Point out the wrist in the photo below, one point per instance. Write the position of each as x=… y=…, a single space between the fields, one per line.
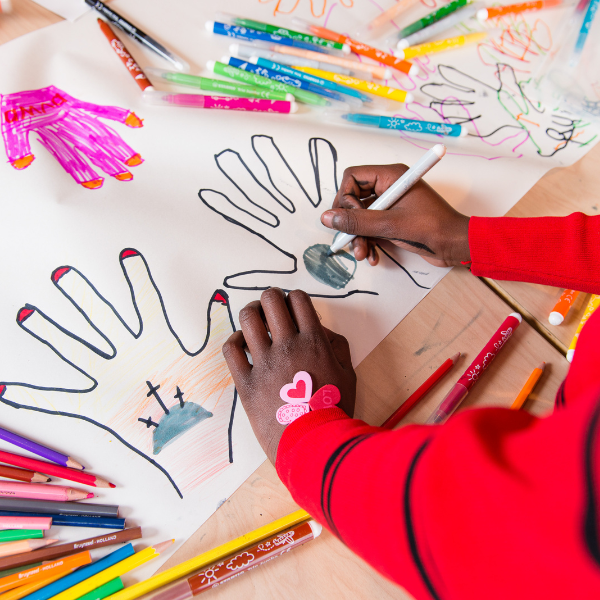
x=455 y=248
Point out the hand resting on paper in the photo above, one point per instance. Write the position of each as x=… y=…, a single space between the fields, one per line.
x=298 y=342
x=421 y=221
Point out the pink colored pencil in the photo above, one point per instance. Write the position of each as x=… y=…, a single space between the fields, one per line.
x=40 y=491
x=43 y=523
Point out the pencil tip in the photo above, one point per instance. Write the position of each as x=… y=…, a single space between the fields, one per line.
x=73 y=464
x=542 y=366
x=163 y=545
x=90 y=495
x=455 y=358
x=112 y=485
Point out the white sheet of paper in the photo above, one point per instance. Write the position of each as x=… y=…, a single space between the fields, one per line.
x=191 y=251
x=67 y=9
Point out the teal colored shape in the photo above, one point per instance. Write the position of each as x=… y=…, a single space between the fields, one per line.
x=176 y=423
x=335 y=271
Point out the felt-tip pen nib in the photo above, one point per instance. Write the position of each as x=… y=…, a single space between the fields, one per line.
x=330 y=253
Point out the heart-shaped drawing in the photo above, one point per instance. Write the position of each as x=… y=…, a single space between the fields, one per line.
x=290 y=412
x=299 y=391
x=326 y=397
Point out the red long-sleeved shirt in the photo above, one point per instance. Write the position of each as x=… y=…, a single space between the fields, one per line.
x=494 y=503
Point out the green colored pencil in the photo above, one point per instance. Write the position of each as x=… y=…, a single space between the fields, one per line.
x=433 y=17
x=19 y=569
x=246 y=77
x=112 y=587
x=13 y=535
x=287 y=33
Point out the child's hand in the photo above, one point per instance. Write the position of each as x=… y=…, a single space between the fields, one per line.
x=298 y=342
x=421 y=221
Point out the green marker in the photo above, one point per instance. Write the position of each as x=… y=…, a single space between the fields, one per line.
x=19 y=569
x=217 y=85
x=283 y=32
x=258 y=80
x=433 y=17
x=12 y=535
x=112 y=587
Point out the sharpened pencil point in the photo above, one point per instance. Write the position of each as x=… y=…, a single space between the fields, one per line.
x=455 y=358
x=112 y=485
x=163 y=546
x=542 y=366
x=90 y=495
x=73 y=464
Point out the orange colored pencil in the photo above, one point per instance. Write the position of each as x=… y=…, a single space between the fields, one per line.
x=397 y=416
x=34 y=586
x=20 y=547
x=44 y=571
x=528 y=387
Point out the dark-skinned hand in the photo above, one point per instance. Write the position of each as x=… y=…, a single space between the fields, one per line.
x=421 y=221
x=298 y=342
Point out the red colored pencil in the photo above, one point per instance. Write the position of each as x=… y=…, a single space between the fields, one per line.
x=420 y=392
x=56 y=470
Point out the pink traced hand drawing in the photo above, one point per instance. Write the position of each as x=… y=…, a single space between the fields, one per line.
x=172 y=406
x=70 y=130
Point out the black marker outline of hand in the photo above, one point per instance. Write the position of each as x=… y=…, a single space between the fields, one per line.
x=285 y=202
x=219 y=296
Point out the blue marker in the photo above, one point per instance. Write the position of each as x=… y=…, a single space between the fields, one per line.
x=82 y=574
x=251 y=35
x=588 y=19
x=329 y=85
x=406 y=124
x=293 y=81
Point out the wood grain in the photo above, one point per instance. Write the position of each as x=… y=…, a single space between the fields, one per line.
x=26 y=16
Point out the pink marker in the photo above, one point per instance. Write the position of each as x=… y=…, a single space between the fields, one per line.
x=41 y=491
x=223 y=102
x=43 y=523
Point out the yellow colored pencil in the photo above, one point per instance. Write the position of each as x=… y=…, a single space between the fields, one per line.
x=34 y=586
x=441 y=45
x=359 y=84
x=593 y=304
x=138 y=559
x=528 y=387
x=206 y=558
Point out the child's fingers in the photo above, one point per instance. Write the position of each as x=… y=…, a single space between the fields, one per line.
x=254 y=330
x=366 y=223
x=340 y=347
x=303 y=311
x=235 y=356
x=277 y=314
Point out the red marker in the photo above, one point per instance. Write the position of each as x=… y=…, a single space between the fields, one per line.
x=420 y=393
x=461 y=388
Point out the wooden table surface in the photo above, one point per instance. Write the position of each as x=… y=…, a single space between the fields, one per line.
x=458 y=315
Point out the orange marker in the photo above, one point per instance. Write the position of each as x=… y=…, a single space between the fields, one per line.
x=559 y=312
x=528 y=387
x=510 y=9
x=360 y=48
x=117 y=45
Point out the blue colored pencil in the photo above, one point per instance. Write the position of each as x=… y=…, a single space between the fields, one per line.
x=82 y=574
x=72 y=520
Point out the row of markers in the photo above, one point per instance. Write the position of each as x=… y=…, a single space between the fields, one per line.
x=273 y=69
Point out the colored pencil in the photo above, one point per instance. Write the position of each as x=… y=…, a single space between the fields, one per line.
x=442 y=45
x=244 y=560
x=39 y=491
x=48 y=570
x=8 y=572
x=420 y=392
x=12 y=548
x=35 y=448
x=562 y=307
x=124 y=566
x=494 y=12
x=59 y=508
x=433 y=17
x=130 y=64
x=370 y=87
x=20 y=522
x=207 y=558
x=112 y=587
x=593 y=304
x=12 y=535
x=72 y=520
x=364 y=49
x=57 y=471
x=528 y=387
x=29 y=588
x=100 y=541
x=482 y=361
x=75 y=578
x=389 y=15
x=23 y=475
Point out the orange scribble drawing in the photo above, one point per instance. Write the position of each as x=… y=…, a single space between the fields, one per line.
x=317 y=7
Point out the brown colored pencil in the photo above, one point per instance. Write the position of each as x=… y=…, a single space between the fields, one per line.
x=109 y=539
x=23 y=475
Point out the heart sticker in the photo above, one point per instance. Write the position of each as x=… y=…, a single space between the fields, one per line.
x=290 y=412
x=326 y=397
x=299 y=391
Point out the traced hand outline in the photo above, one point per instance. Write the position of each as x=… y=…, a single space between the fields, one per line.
x=71 y=131
x=267 y=212
x=146 y=388
x=463 y=99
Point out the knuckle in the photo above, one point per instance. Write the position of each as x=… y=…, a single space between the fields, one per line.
x=349 y=222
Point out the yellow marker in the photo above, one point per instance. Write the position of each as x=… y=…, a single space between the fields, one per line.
x=359 y=84
x=591 y=307
x=441 y=45
x=138 y=559
x=528 y=387
x=202 y=560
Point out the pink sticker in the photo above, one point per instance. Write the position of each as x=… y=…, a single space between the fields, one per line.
x=326 y=397
x=299 y=391
x=290 y=412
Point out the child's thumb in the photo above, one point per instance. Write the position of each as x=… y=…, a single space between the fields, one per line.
x=367 y=223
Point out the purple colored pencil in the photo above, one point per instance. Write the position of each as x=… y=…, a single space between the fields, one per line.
x=52 y=455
